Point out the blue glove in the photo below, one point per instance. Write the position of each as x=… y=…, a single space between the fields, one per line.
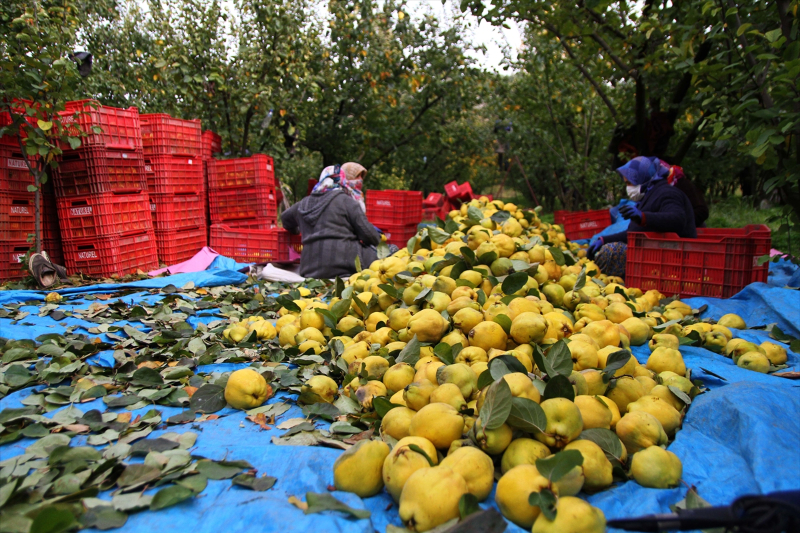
x=631 y=212
x=594 y=248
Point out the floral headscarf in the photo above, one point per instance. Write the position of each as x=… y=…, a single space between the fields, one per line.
x=334 y=177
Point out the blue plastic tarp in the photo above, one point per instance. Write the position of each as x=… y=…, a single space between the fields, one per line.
x=206 y=278
x=739 y=438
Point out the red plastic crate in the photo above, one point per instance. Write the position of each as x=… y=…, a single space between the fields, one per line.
x=166 y=135
x=12 y=141
x=434 y=199
x=14 y=174
x=100 y=215
x=254 y=171
x=121 y=129
x=290 y=246
x=582 y=224
x=394 y=207
x=717 y=264
x=247 y=245
x=97 y=170
x=54 y=250
x=760 y=237
x=451 y=190
x=252 y=223
x=114 y=254
x=18 y=215
x=172 y=212
x=212 y=144
x=399 y=234
x=174 y=175
x=233 y=204
x=177 y=246
x=11 y=253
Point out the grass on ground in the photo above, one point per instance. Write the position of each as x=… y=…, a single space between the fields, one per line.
x=736 y=212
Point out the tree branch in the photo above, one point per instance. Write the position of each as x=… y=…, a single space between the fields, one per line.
x=600 y=20
x=766 y=99
x=687 y=142
x=614 y=57
x=686 y=81
x=582 y=70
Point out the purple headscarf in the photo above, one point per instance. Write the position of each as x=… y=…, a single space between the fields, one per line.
x=644 y=171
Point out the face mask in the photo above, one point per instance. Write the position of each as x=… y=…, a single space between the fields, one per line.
x=634 y=192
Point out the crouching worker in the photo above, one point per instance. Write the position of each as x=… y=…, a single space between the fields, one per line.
x=659 y=208
x=334 y=226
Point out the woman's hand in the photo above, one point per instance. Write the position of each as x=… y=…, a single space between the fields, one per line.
x=631 y=212
x=594 y=248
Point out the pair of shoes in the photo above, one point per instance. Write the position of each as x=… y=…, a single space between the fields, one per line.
x=44 y=271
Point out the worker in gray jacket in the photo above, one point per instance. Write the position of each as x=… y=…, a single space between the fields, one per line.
x=334 y=226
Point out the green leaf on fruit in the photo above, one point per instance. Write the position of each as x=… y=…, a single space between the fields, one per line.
x=496 y=405
x=559 y=465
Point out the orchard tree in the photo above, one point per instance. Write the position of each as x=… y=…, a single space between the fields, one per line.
x=718 y=72
x=37 y=76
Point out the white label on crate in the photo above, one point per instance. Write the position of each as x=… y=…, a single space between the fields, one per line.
x=20 y=210
x=755 y=261
x=590 y=224
x=270 y=196
x=124 y=156
x=147 y=168
x=87 y=255
x=385 y=203
x=152 y=207
x=269 y=167
x=80 y=211
x=189 y=162
x=17 y=257
x=17 y=163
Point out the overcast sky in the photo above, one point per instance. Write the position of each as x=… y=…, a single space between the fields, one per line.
x=492 y=37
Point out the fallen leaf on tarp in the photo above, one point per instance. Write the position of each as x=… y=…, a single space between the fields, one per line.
x=260 y=419
x=125 y=418
x=206 y=418
x=252 y=482
x=201 y=291
x=322 y=501
x=77 y=428
x=303 y=506
x=190 y=390
x=292 y=422
x=149 y=364
x=360 y=436
x=787 y=375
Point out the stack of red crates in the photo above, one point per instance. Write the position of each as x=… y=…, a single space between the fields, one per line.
x=212 y=145
x=174 y=169
x=18 y=210
x=396 y=213
x=101 y=194
x=243 y=208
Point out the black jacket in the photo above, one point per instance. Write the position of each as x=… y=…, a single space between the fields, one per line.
x=665 y=209
x=335 y=230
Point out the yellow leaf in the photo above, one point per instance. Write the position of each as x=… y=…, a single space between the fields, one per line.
x=282 y=112
x=44 y=125
x=400 y=15
x=297 y=503
x=761 y=159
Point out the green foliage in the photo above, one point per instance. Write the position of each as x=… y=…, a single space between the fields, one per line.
x=671 y=76
x=37 y=76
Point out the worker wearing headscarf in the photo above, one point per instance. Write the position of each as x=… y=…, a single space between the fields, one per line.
x=335 y=229
x=657 y=207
